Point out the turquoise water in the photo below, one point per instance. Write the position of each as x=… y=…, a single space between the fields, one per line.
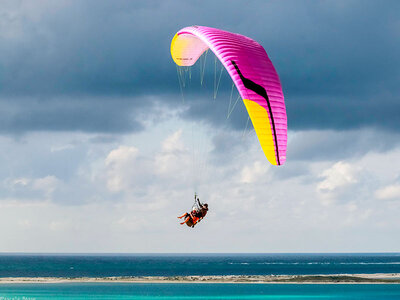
x=197 y=291
x=45 y=265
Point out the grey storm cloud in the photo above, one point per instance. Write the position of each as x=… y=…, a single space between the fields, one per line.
x=69 y=113
x=89 y=65
x=339 y=145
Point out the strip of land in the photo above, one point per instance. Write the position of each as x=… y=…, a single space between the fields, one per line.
x=325 y=279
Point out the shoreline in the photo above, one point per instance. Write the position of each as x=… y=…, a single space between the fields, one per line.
x=391 y=278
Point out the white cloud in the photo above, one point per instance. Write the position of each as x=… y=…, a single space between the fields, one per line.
x=131 y=171
x=128 y=198
x=121 y=164
x=122 y=155
x=18 y=182
x=173 y=155
x=27 y=187
x=254 y=172
x=173 y=143
x=340 y=174
x=389 y=192
x=46 y=184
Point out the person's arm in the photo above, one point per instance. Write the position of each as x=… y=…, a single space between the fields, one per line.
x=198 y=202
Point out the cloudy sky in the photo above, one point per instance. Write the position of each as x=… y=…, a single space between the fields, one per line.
x=100 y=152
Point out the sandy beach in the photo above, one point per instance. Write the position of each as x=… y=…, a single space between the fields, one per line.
x=336 y=278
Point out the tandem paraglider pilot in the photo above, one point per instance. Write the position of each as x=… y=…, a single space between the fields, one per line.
x=198 y=212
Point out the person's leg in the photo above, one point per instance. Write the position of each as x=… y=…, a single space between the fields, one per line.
x=184 y=215
x=187 y=219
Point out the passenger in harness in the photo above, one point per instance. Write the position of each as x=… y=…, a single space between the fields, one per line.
x=198 y=212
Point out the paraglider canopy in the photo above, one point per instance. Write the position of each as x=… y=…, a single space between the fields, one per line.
x=253 y=74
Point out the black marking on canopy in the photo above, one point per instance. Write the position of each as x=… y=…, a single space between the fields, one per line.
x=258 y=89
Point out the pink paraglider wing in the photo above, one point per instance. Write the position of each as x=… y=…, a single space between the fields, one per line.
x=253 y=74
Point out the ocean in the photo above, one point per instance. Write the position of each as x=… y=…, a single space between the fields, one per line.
x=51 y=265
